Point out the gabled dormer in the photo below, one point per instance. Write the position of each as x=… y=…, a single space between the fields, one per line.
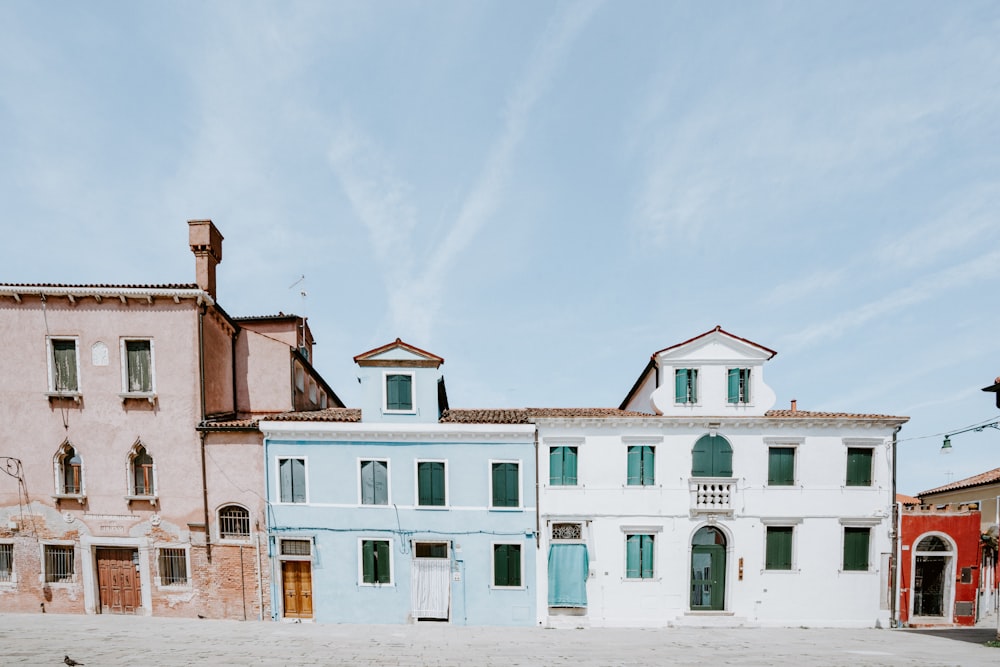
x=714 y=374
x=401 y=383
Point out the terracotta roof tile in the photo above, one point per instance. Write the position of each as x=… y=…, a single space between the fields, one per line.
x=990 y=477
x=809 y=414
x=489 y=416
x=907 y=500
x=327 y=415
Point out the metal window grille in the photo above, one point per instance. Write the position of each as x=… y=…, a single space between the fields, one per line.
x=567 y=531
x=234 y=522
x=6 y=562
x=295 y=548
x=58 y=563
x=173 y=567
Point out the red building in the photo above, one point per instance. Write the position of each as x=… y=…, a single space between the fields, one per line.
x=940 y=557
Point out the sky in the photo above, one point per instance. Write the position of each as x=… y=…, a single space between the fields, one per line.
x=543 y=193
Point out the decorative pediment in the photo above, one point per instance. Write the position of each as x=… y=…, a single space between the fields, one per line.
x=716 y=345
x=399 y=354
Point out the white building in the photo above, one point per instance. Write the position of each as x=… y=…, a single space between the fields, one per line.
x=697 y=503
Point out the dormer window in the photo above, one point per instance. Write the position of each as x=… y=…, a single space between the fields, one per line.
x=399 y=392
x=686 y=384
x=739 y=386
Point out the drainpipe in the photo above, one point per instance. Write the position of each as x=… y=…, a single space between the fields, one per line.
x=204 y=475
x=538 y=518
x=896 y=526
x=260 y=573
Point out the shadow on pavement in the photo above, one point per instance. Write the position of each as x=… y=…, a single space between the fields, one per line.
x=971 y=635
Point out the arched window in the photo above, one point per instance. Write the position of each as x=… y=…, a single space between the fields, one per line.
x=712 y=456
x=933 y=543
x=70 y=471
x=234 y=522
x=142 y=472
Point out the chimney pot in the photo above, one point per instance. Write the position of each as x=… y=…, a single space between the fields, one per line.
x=794 y=405
x=206 y=244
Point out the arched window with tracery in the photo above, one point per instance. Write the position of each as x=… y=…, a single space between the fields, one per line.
x=69 y=471
x=141 y=472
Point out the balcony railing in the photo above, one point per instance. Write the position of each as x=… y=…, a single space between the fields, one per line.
x=713 y=495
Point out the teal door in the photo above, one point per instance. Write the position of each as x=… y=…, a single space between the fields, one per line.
x=708 y=570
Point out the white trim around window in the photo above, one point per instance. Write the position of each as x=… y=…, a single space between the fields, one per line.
x=130 y=392
x=54 y=392
x=187 y=584
x=416 y=485
x=277 y=481
x=493 y=563
x=520 y=486
x=388 y=481
x=361 y=562
x=385 y=392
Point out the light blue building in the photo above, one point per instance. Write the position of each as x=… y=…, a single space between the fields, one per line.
x=391 y=514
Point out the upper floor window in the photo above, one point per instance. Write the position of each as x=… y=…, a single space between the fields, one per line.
x=142 y=473
x=64 y=365
x=505 y=484
x=431 y=484
x=562 y=466
x=859 y=466
x=781 y=466
x=234 y=522
x=70 y=471
x=712 y=456
x=137 y=366
x=738 y=383
x=375 y=482
x=641 y=464
x=292 y=480
x=686 y=385
x=399 y=392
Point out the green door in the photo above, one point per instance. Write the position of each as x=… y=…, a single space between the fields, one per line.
x=708 y=570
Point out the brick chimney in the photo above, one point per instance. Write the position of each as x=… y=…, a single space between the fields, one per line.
x=206 y=244
x=795 y=405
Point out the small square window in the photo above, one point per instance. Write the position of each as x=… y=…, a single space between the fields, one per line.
x=505 y=484
x=779 y=548
x=374 y=482
x=399 y=392
x=507 y=566
x=59 y=563
x=292 y=480
x=173 y=567
x=376 y=565
x=639 y=558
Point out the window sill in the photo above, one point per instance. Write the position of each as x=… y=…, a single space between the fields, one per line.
x=506 y=509
x=508 y=588
x=777 y=571
x=399 y=412
x=74 y=396
x=843 y=571
x=654 y=485
x=138 y=396
x=149 y=499
x=63 y=583
x=646 y=580
x=432 y=507
x=78 y=497
x=365 y=585
x=234 y=539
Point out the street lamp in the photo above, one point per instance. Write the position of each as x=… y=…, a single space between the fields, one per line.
x=946 y=445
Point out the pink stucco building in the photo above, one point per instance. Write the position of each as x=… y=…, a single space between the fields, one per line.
x=129 y=442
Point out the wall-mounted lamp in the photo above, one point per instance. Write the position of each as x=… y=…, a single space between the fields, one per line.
x=946 y=445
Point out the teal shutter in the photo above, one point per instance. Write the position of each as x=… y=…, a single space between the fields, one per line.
x=633 y=557
x=555 y=466
x=648 y=465
x=368 y=561
x=856 y=548
x=398 y=392
x=701 y=458
x=712 y=456
x=733 y=381
x=646 y=547
x=781 y=466
x=680 y=385
x=382 y=561
x=430 y=483
x=569 y=466
x=779 y=548
x=634 y=466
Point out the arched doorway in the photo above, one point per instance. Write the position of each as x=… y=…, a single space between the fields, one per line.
x=708 y=570
x=932 y=567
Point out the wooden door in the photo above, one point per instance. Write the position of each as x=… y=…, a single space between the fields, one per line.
x=118 y=581
x=296 y=585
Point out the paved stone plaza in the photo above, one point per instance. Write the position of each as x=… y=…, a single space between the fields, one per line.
x=98 y=641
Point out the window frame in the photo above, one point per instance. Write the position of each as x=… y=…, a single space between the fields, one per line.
x=180 y=550
x=390 y=551
x=772 y=448
x=60 y=461
x=132 y=492
x=361 y=486
x=518 y=505
x=744 y=395
x=522 y=584
x=412 y=410
x=54 y=390
x=11 y=570
x=64 y=547
x=305 y=480
x=640 y=533
x=783 y=528
x=561 y=479
x=232 y=537
x=127 y=391
x=416 y=484
x=690 y=385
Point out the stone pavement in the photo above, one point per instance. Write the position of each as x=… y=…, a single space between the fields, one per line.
x=98 y=641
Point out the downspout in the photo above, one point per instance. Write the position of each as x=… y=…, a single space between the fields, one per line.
x=204 y=475
x=236 y=404
x=896 y=526
x=260 y=571
x=538 y=516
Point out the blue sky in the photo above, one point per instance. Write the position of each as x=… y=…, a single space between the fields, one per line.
x=542 y=193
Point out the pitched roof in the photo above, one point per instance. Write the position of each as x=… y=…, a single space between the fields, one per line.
x=989 y=477
x=427 y=358
x=326 y=415
x=718 y=329
x=907 y=500
x=809 y=414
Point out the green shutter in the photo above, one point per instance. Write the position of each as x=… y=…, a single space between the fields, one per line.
x=680 y=385
x=382 y=561
x=555 y=466
x=856 y=548
x=398 y=392
x=646 y=546
x=506 y=565
x=733 y=381
x=368 y=561
x=634 y=466
x=632 y=557
x=648 y=465
x=779 y=548
x=712 y=456
x=859 y=467
x=781 y=466
x=430 y=483
x=569 y=466
x=505 y=492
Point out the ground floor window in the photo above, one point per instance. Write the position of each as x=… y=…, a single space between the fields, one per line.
x=173 y=567
x=6 y=562
x=779 y=548
x=507 y=565
x=375 y=562
x=59 y=565
x=639 y=557
x=856 y=541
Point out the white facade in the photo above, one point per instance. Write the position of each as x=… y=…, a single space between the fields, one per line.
x=710 y=510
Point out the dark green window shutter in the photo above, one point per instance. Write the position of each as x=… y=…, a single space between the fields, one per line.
x=712 y=456
x=779 y=548
x=375 y=561
x=781 y=466
x=505 y=491
x=859 y=466
x=398 y=392
x=680 y=385
x=64 y=365
x=733 y=382
x=856 y=548
x=507 y=565
x=430 y=482
x=382 y=561
x=368 y=561
x=634 y=466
